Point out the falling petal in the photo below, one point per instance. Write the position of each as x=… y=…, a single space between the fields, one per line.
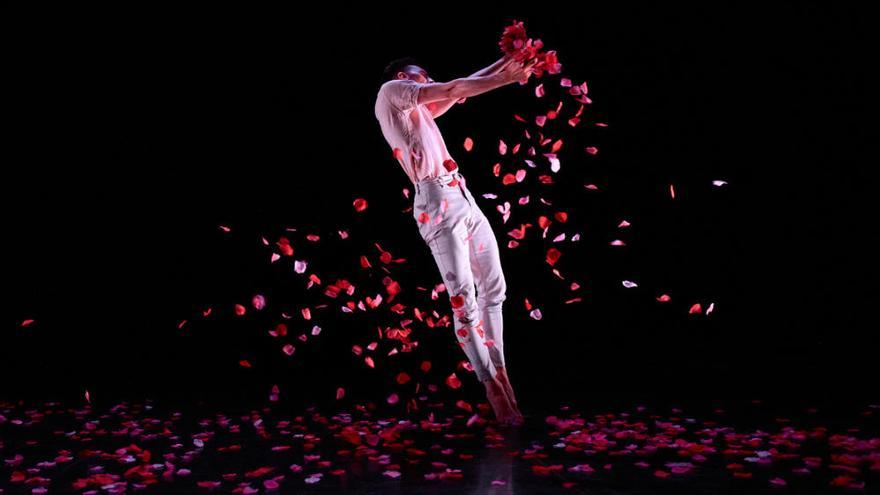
x=553 y=256
x=453 y=382
x=284 y=246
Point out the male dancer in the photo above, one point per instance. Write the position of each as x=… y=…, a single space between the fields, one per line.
x=450 y=222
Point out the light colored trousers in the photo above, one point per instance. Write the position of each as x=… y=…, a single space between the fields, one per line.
x=466 y=252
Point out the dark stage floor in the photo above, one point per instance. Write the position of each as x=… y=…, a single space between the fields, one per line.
x=147 y=447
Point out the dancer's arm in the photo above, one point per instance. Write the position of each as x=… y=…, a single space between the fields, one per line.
x=465 y=87
x=494 y=68
x=438 y=108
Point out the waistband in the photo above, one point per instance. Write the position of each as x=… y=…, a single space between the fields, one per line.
x=441 y=181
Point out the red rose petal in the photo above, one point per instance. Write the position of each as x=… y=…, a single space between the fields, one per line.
x=360 y=204
x=453 y=382
x=553 y=255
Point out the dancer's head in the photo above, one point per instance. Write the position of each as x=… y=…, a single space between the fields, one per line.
x=406 y=68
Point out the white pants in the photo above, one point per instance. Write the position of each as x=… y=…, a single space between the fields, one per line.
x=466 y=252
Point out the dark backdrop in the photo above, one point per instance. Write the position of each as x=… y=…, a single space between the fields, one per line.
x=131 y=135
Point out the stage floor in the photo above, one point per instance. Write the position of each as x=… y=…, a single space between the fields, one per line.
x=149 y=447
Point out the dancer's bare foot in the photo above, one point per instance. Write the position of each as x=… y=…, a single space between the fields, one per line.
x=505 y=382
x=504 y=411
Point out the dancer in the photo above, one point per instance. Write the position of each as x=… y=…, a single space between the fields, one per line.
x=449 y=220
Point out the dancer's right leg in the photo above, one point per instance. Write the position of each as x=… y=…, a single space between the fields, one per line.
x=446 y=232
x=491 y=292
x=450 y=251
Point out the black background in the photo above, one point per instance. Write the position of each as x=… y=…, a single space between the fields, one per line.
x=131 y=135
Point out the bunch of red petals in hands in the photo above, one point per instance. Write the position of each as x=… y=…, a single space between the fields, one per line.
x=516 y=43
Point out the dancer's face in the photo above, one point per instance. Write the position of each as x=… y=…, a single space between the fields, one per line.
x=415 y=73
